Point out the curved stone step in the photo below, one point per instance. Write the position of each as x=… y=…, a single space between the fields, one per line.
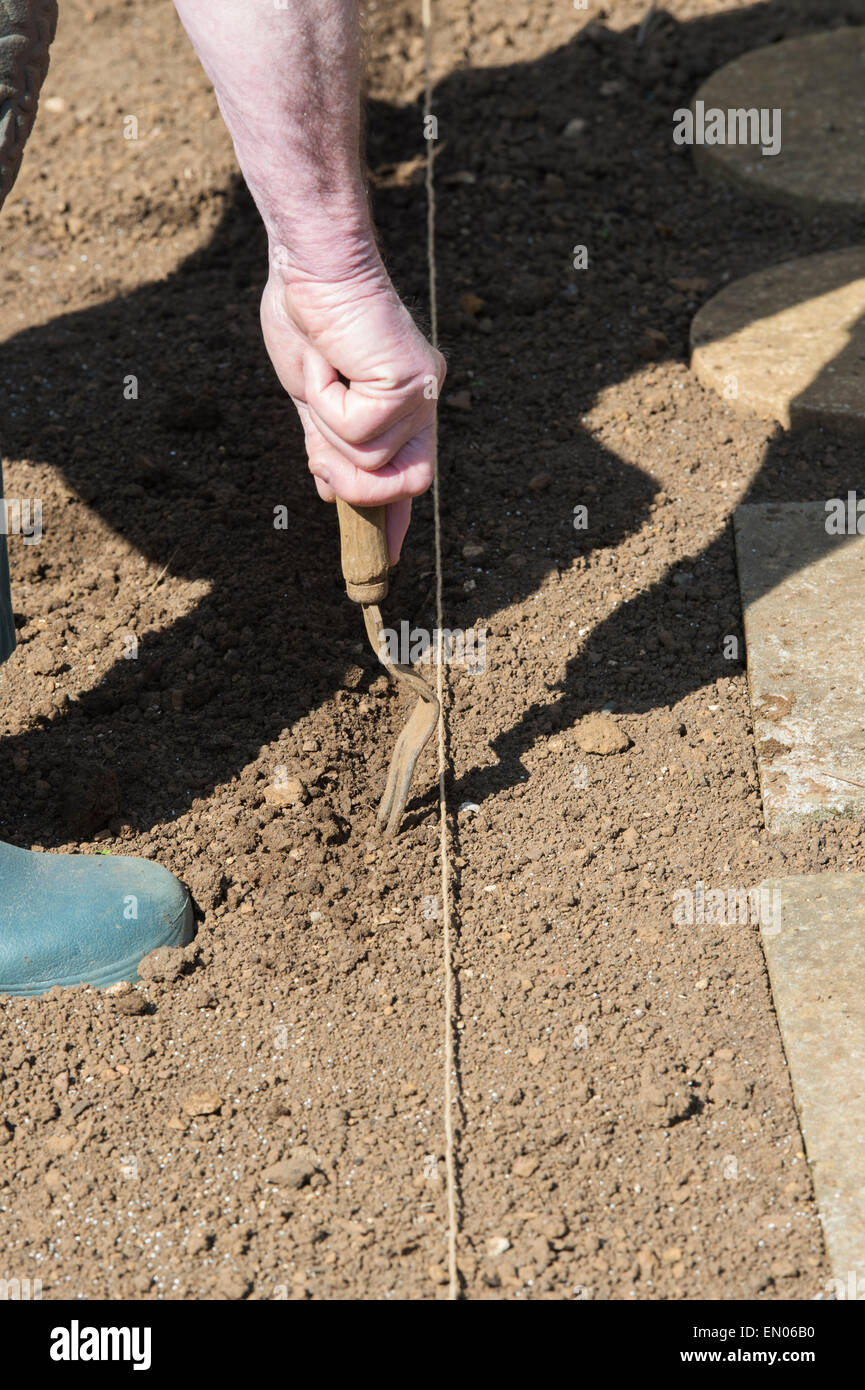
x=818 y=84
x=788 y=343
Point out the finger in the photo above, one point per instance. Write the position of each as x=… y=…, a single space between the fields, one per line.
x=372 y=455
x=407 y=475
x=318 y=453
x=326 y=493
x=398 y=518
x=368 y=422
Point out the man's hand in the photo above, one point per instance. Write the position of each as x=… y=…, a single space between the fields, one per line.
x=365 y=382
x=345 y=348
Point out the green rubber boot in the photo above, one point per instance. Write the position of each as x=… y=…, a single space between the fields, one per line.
x=69 y=919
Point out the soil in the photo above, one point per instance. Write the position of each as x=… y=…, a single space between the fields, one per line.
x=262 y=1117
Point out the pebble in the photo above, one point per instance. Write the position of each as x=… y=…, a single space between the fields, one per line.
x=470 y=808
x=525 y=1166
x=131 y=1005
x=473 y=551
x=202 y=1103
x=294 y=1171
x=460 y=400
x=497 y=1245
x=117 y=990
x=292 y=792
x=540 y=482
x=471 y=304
x=575 y=128
x=600 y=734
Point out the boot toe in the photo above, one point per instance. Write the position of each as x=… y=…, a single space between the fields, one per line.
x=84 y=918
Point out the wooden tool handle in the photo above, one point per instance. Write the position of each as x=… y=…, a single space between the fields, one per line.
x=363 y=541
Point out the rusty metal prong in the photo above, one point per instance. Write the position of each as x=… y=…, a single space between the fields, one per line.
x=409 y=746
x=414 y=736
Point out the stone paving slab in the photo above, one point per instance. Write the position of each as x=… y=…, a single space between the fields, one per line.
x=817 y=83
x=815 y=951
x=788 y=343
x=802 y=595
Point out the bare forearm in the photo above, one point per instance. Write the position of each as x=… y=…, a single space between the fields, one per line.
x=287 y=82
x=364 y=380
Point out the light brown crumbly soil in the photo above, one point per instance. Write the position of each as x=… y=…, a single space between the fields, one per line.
x=625 y=1127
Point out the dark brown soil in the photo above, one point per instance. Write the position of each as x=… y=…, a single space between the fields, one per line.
x=626 y=1127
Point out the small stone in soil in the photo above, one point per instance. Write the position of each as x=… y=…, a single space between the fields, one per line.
x=600 y=734
x=525 y=1166
x=294 y=1171
x=540 y=482
x=289 y=793
x=497 y=1245
x=471 y=304
x=118 y=989
x=202 y=1103
x=131 y=1005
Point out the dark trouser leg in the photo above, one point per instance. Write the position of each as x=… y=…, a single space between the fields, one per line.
x=7 y=626
x=26 y=30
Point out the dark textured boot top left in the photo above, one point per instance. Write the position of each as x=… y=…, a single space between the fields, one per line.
x=26 y=30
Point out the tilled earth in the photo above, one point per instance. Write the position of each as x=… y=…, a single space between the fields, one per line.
x=262 y=1118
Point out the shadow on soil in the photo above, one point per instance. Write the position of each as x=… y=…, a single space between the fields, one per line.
x=191 y=472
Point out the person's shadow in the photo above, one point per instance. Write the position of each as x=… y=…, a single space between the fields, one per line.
x=190 y=473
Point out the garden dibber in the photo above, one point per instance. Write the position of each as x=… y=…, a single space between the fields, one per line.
x=364 y=556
